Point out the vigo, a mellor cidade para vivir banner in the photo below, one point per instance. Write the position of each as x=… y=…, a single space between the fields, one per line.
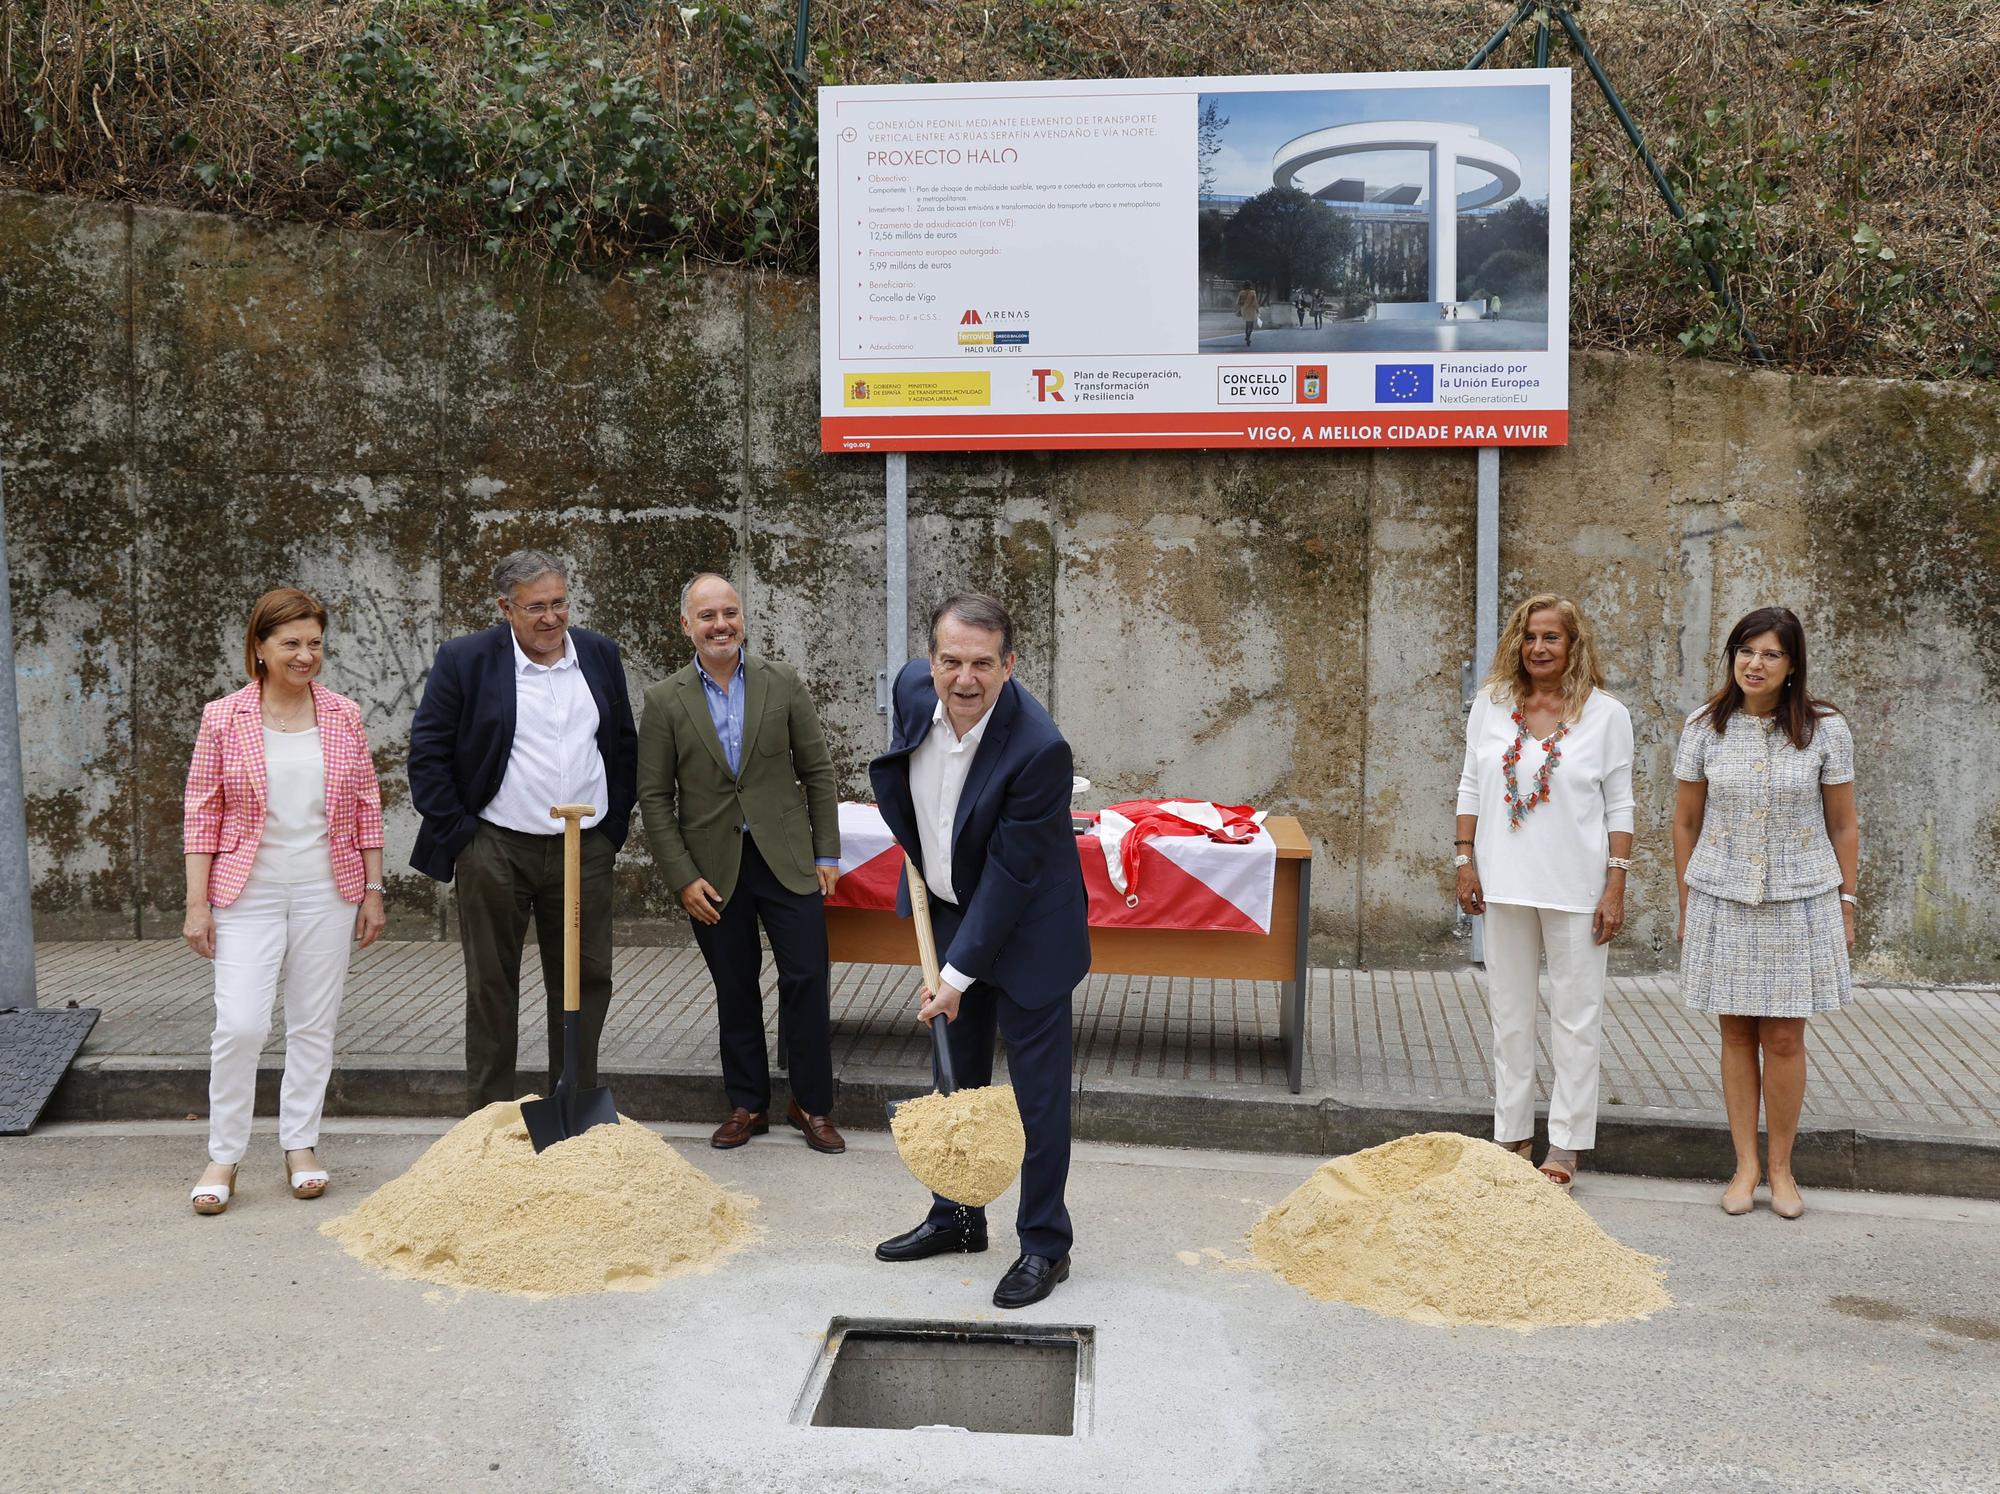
x=1372 y=259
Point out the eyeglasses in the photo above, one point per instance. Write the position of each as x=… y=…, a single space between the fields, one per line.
x=540 y=610
x=1758 y=656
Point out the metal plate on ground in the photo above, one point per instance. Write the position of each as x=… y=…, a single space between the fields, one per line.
x=35 y=1052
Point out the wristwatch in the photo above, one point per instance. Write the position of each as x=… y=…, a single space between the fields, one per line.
x=1461 y=859
x=373 y=887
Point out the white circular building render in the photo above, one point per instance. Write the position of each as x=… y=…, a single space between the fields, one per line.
x=1446 y=148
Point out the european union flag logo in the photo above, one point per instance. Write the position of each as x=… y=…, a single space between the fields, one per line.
x=1404 y=383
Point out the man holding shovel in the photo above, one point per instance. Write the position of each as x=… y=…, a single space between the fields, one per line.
x=528 y=714
x=976 y=789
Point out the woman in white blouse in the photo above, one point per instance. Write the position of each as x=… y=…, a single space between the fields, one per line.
x=1544 y=841
x=1767 y=845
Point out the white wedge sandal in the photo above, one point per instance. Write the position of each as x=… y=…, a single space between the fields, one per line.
x=308 y=1184
x=212 y=1198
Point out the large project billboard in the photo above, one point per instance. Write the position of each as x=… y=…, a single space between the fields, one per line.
x=1374 y=259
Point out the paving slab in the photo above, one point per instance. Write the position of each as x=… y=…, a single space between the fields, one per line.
x=1905 y=1089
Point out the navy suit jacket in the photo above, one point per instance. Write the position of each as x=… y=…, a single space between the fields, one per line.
x=1023 y=921
x=464 y=734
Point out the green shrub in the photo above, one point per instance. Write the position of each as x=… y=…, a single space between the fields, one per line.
x=547 y=143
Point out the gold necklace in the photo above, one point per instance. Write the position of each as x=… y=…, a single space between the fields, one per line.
x=290 y=722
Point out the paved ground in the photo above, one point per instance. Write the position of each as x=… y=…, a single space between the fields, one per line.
x=143 y=1348
x=1922 y=1059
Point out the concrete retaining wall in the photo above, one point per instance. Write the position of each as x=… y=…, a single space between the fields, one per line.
x=194 y=408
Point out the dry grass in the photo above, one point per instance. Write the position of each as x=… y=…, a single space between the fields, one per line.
x=1799 y=123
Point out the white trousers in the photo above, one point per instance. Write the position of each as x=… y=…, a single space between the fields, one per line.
x=1517 y=937
x=299 y=931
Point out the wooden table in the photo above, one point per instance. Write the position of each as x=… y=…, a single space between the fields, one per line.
x=870 y=936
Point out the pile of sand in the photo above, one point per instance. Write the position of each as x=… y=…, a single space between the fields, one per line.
x=1441 y=1228
x=966 y=1146
x=615 y=1209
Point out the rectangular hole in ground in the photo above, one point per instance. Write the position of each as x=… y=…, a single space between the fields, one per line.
x=890 y=1374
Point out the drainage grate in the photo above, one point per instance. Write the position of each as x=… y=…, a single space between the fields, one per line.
x=1033 y=1379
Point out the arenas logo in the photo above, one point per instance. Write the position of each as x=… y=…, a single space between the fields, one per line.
x=990 y=337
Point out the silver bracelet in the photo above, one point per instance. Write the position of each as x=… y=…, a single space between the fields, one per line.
x=1623 y=863
x=1850 y=899
x=373 y=887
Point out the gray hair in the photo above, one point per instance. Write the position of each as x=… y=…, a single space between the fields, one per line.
x=700 y=576
x=522 y=567
x=976 y=609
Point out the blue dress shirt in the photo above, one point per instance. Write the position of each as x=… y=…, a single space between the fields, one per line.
x=725 y=710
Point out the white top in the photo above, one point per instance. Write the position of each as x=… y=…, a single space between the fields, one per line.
x=1555 y=858
x=937 y=779
x=293 y=846
x=555 y=758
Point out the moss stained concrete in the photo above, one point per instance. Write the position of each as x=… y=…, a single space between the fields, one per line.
x=194 y=409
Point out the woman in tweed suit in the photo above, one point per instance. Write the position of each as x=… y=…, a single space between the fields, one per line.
x=282 y=825
x=1766 y=844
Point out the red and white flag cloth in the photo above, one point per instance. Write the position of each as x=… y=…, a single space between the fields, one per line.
x=1185 y=879
x=871 y=863
x=1184 y=836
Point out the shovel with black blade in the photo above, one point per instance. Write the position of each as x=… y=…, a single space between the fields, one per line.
x=570 y=1111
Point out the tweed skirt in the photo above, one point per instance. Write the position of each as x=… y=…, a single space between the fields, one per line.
x=1786 y=959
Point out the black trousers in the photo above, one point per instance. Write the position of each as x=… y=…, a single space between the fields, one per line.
x=796 y=926
x=1039 y=1052
x=506 y=878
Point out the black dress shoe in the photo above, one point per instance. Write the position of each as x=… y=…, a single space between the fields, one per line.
x=1030 y=1279
x=966 y=1235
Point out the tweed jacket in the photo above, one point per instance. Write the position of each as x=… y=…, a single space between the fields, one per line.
x=691 y=804
x=1763 y=831
x=222 y=811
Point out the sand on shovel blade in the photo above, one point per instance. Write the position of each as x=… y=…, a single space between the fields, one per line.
x=614 y=1209
x=1442 y=1228
x=966 y=1146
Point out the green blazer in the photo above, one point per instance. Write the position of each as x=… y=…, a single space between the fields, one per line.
x=691 y=804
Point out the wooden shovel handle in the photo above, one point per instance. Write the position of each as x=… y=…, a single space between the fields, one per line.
x=572 y=816
x=920 y=916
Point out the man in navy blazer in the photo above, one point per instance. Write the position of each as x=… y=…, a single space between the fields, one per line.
x=514 y=720
x=976 y=789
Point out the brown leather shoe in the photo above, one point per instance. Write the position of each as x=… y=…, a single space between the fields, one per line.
x=818 y=1130
x=739 y=1128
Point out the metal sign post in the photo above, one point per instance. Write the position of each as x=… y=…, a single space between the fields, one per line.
x=17 y=927
x=1485 y=606
x=896 y=569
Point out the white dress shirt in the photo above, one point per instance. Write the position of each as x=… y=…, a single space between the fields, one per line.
x=555 y=758
x=937 y=779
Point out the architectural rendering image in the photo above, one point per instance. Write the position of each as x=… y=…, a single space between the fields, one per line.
x=1374 y=220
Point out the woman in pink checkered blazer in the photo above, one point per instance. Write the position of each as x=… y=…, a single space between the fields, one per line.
x=282 y=824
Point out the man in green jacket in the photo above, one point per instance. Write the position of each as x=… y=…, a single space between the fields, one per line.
x=724 y=748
